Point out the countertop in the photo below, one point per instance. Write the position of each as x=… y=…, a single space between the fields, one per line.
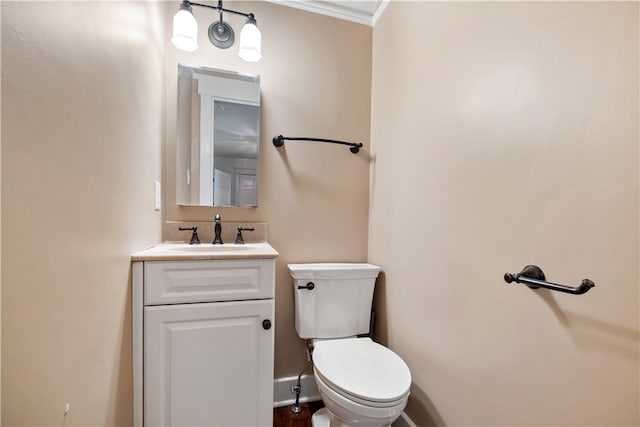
x=180 y=251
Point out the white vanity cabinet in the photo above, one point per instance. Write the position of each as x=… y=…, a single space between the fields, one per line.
x=203 y=341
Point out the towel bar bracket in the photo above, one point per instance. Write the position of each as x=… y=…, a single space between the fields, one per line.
x=531 y=272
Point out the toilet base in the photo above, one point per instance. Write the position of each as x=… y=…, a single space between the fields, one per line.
x=321 y=418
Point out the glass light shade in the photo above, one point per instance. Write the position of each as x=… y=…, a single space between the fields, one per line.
x=250 y=43
x=185 y=30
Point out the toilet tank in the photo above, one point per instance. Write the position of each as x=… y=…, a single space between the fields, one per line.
x=339 y=305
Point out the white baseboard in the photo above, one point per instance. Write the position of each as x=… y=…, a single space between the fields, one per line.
x=282 y=395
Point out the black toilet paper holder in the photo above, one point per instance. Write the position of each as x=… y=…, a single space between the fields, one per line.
x=534 y=277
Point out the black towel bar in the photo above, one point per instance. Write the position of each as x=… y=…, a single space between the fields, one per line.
x=278 y=141
x=533 y=277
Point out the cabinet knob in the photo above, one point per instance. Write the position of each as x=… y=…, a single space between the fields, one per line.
x=266 y=324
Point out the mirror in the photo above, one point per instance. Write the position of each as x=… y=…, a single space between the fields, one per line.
x=218 y=138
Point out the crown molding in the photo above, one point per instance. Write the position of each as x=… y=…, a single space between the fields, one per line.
x=366 y=13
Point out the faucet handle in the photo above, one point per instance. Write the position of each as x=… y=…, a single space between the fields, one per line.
x=194 y=237
x=239 y=239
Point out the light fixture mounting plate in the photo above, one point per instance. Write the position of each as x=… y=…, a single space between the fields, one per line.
x=221 y=35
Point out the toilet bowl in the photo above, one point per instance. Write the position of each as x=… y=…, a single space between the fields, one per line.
x=361 y=383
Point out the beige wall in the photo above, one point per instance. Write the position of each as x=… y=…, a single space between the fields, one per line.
x=506 y=134
x=82 y=116
x=83 y=107
x=315 y=81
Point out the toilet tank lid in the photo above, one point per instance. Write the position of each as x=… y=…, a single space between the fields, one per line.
x=333 y=270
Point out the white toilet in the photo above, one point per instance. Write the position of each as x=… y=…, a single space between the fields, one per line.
x=362 y=383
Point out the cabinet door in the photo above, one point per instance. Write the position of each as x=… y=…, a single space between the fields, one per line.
x=208 y=364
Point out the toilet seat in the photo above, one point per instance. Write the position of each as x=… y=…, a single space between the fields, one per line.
x=362 y=371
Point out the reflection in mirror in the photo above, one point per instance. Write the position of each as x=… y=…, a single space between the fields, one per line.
x=218 y=138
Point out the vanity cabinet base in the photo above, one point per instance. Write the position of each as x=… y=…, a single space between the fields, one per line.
x=203 y=363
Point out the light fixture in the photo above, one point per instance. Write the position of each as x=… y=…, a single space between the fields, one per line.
x=250 y=41
x=185 y=29
x=221 y=35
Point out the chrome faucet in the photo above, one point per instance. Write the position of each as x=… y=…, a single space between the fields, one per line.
x=218 y=229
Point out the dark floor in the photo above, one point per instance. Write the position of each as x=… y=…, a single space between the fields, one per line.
x=284 y=417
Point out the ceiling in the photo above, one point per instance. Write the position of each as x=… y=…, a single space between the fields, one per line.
x=361 y=11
